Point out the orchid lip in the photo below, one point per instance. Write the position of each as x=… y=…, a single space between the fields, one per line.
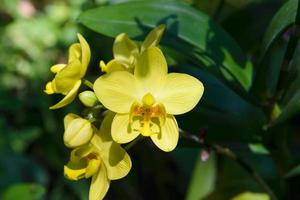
x=150 y=114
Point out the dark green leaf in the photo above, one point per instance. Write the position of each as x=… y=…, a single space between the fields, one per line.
x=189 y=31
x=293 y=77
x=280 y=22
x=221 y=111
x=294 y=172
x=249 y=34
x=273 y=51
x=291 y=101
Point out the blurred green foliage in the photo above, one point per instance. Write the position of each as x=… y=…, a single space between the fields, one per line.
x=240 y=79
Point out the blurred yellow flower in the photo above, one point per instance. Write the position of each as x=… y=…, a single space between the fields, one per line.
x=126 y=51
x=146 y=100
x=102 y=159
x=68 y=77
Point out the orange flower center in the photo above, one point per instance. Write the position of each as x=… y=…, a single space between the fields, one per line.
x=150 y=115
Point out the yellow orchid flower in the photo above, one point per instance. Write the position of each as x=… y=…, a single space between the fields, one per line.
x=146 y=100
x=102 y=159
x=68 y=77
x=126 y=51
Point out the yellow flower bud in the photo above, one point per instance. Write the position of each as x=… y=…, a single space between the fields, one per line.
x=78 y=132
x=88 y=98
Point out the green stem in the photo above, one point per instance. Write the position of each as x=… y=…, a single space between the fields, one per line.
x=92 y=120
x=231 y=155
x=88 y=83
x=279 y=149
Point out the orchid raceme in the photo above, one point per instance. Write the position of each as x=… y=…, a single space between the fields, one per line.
x=102 y=159
x=126 y=51
x=146 y=100
x=68 y=77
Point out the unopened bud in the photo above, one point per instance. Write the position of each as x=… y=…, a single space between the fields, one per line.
x=205 y=153
x=88 y=98
x=275 y=112
x=78 y=132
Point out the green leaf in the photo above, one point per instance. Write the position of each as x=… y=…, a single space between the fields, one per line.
x=225 y=115
x=252 y=196
x=233 y=179
x=293 y=77
x=24 y=191
x=293 y=172
x=189 y=31
x=248 y=35
x=272 y=51
x=258 y=148
x=203 y=178
x=284 y=18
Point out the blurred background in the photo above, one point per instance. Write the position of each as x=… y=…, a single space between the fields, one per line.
x=34 y=35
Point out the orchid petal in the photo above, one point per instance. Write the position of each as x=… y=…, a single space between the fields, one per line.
x=76 y=167
x=69 y=97
x=180 y=93
x=92 y=167
x=57 y=68
x=116 y=91
x=167 y=139
x=125 y=50
x=112 y=66
x=122 y=131
x=85 y=54
x=66 y=78
x=153 y=38
x=151 y=69
x=99 y=184
x=74 y=52
x=49 y=88
x=74 y=173
x=115 y=158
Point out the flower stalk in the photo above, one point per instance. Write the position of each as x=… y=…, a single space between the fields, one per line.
x=88 y=83
x=224 y=151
